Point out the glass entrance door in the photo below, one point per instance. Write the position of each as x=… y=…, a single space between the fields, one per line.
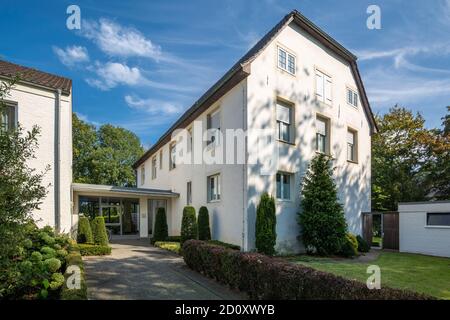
x=153 y=206
x=111 y=209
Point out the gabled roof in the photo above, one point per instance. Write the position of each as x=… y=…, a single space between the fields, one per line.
x=36 y=77
x=241 y=69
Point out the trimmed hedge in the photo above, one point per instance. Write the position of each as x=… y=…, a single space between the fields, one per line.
x=204 y=231
x=84 y=233
x=161 y=228
x=99 y=231
x=189 y=227
x=87 y=249
x=224 y=244
x=264 y=277
x=74 y=258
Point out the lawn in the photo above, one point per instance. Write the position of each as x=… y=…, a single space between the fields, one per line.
x=426 y=274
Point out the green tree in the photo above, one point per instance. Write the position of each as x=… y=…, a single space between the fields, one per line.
x=161 y=228
x=104 y=156
x=204 y=231
x=84 y=232
x=189 y=228
x=99 y=231
x=265 y=229
x=400 y=155
x=322 y=221
x=21 y=189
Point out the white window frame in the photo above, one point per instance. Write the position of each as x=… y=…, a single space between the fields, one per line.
x=154 y=168
x=189 y=193
x=281 y=195
x=142 y=175
x=172 y=156
x=284 y=65
x=216 y=196
x=352 y=97
x=327 y=135
x=214 y=135
x=281 y=123
x=160 y=159
x=354 y=146
x=323 y=87
x=9 y=112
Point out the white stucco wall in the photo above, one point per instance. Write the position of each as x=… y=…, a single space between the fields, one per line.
x=416 y=236
x=266 y=84
x=36 y=106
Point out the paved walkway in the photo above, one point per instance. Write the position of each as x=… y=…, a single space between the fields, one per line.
x=136 y=270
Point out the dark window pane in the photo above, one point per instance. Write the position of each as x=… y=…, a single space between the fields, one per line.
x=438 y=219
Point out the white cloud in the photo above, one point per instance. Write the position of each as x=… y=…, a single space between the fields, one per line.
x=112 y=74
x=85 y=118
x=116 y=40
x=153 y=106
x=71 y=55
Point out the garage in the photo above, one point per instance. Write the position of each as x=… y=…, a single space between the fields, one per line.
x=425 y=227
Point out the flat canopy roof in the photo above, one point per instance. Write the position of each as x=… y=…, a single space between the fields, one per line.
x=84 y=187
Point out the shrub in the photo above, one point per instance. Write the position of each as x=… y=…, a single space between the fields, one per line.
x=168 y=245
x=87 y=249
x=204 y=231
x=266 y=221
x=52 y=265
x=362 y=244
x=74 y=259
x=48 y=253
x=99 y=231
x=350 y=246
x=188 y=224
x=322 y=221
x=161 y=228
x=264 y=277
x=57 y=281
x=84 y=233
x=224 y=244
x=174 y=238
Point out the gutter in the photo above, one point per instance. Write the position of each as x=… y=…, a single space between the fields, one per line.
x=57 y=147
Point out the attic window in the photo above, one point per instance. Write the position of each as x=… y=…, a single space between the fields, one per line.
x=286 y=61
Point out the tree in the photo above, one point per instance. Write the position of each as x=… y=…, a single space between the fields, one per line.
x=204 y=231
x=265 y=229
x=161 y=228
x=189 y=229
x=99 y=231
x=21 y=189
x=321 y=217
x=84 y=232
x=408 y=160
x=104 y=156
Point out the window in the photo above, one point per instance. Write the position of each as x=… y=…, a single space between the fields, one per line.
x=283 y=186
x=160 y=160
x=142 y=175
x=154 y=168
x=8 y=117
x=172 y=158
x=352 y=144
x=438 y=219
x=352 y=98
x=189 y=193
x=214 y=188
x=213 y=127
x=189 y=142
x=322 y=134
x=286 y=61
x=323 y=87
x=284 y=121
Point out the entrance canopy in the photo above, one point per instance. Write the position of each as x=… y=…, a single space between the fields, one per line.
x=99 y=188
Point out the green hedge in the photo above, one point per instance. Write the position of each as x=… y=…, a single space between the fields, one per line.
x=168 y=245
x=264 y=277
x=266 y=222
x=84 y=233
x=93 y=249
x=161 y=229
x=74 y=258
x=204 y=231
x=224 y=244
x=189 y=228
x=99 y=231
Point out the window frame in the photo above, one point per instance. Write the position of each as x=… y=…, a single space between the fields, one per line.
x=354 y=93
x=215 y=142
x=217 y=196
x=355 y=145
x=280 y=123
x=323 y=95
x=143 y=174
x=283 y=174
x=161 y=159
x=427 y=224
x=327 y=143
x=287 y=54
x=172 y=161
x=10 y=108
x=189 y=193
x=154 y=168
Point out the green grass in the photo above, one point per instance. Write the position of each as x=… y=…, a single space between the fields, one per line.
x=376 y=241
x=425 y=274
x=168 y=245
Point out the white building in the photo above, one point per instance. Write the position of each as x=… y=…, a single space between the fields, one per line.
x=305 y=86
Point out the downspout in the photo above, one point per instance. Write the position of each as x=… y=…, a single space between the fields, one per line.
x=244 y=171
x=57 y=191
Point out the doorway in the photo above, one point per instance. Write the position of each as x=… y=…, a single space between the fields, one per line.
x=381 y=229
x=153 y=205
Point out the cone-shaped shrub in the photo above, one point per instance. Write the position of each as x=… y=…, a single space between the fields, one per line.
x=322 y=218
x=266 y=222
x=161 y=229
x=84 y=234
x=188 y=224
x=204 y=232
x=99 y=231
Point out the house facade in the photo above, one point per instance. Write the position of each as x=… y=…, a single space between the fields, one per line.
x=305 y=88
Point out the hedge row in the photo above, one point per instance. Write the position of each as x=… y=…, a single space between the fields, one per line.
x=87 y=249
x=263 y=277
x=74 y=258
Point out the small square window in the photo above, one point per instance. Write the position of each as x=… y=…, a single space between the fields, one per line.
x=7 y=117
x=352 y=98
x=286 y=61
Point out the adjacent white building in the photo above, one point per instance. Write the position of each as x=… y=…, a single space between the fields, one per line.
x=303 y=85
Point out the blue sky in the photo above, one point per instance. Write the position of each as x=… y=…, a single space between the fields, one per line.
x=140 y=64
